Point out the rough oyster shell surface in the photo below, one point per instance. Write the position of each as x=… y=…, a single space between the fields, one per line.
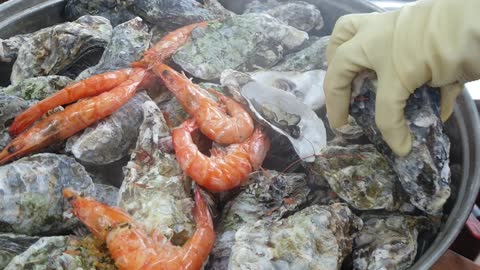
x=13 y=244
x=37 y=88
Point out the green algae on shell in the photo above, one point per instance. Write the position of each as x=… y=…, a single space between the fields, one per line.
x=13 y=244
x=37 y=88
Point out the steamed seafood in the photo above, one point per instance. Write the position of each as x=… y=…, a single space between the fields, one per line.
x=132 y=248
x=226 y=168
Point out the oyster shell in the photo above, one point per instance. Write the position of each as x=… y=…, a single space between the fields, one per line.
x=116 y=11
x=58 y=49
x=424 y=172
x=246 y=42
x=9 y=47
x=155 y=191
x=10 y=106
x=269 y=196
x=305 y=86
x=316 y=236
x=359 y=175
x=11 y=245
x=287 y=116
x=37 y=88
x=111 y=138
x=63 y=252
x=388 y=243
x=313 y=56
x=298 y=14
x=129 y=41
x=31 y=189
x=106 y=194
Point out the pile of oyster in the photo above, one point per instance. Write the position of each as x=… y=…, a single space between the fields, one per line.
x=325 y=199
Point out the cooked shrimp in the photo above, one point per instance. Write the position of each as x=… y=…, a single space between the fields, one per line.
x=89 y=87
x=74 y=118
x=224 y=122
x=227 y=167
x=130 y=245
x=164 y=48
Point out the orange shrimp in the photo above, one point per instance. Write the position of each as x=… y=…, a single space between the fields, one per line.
x=167 y=45
x=227 y=167
x=74 y=118
x=89 y=87
x=232 y=124
x=130 y=245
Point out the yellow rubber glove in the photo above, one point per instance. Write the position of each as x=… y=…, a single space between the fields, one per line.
x=433 y=41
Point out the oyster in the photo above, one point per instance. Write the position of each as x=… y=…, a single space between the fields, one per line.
x=9 y=47
x=305 y=86
x=116 y=11
x=424 y=172
x=245 y=43
x=31 y=200
x=10 y=106
x=316 y=236
x=106 y=194
x=359 y=175
x=155 y=191
x=287 y=116
x=388 y=243
x=269 y=196
x=299 y=14
x=60 y=49
x=63 y=252
x=111 y=138
x=129 y=41
x=173 y=112
x=37 y=88
x=313 y=56
x=11 y=245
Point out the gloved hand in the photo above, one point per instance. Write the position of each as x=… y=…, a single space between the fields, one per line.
x=434 y=41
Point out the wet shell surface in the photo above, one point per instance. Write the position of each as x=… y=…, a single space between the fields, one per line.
x=155 y=191
x=37 y=88
x=317 y=235
x=424 y=173
x=245 y=43
x=55 y=49
x=32 y=202
x=13 y=244
x=313 y=56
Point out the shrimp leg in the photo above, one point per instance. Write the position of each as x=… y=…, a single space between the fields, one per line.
x=132 y=248
x=233 y=125
x=73 y=119
x=89 y=87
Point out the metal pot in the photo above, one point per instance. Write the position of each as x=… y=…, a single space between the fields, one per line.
x=23 y=16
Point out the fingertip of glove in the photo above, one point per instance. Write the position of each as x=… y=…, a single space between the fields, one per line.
x=400 y=141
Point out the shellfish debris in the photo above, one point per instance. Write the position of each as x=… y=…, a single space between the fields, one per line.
x=245 y=43
x=424 y=173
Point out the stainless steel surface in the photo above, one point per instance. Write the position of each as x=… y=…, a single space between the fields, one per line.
x=20 y=16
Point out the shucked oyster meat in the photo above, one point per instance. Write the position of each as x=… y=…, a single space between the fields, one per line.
x=55 y=49
x=360 y=175
x=387 y=242
x=155 y=191
x=424 y=172
x=318 y=236
x=246 y=43
x=269 y=196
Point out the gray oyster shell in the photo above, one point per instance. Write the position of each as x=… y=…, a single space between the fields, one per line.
x=9 y=47
x=106 y=194
x=299 y=14
x=55 y=49
x=110 y=139
x=63 y=252
x=13 y=244
x=31 y=200
x=128 y=43
x=269 y=196
x=318 y=236
x=245 y=43
x=116 y=11
x=314 y=56
x=359 y=175
x=388 y=243
x=155 y=191
x=37 y=88
x=424 y=172
x=173 y=112
x=10 y=107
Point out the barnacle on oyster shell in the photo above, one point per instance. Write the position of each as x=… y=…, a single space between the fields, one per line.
x=424 y=172
x=315 y=236
x=246 y=42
